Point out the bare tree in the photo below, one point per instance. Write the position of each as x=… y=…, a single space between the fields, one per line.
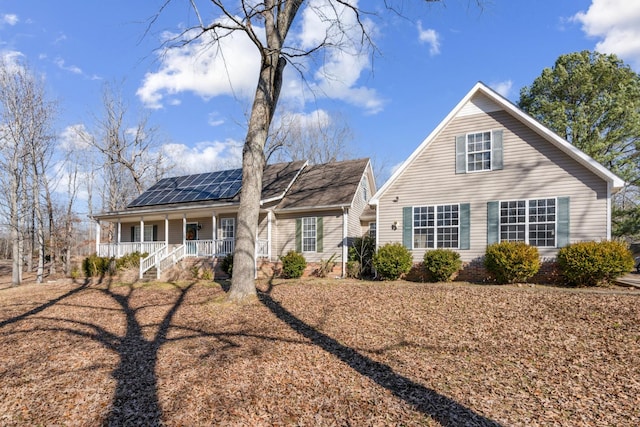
x=130 y=159
x=267 y=23
x=26 y=141
x=319 y=137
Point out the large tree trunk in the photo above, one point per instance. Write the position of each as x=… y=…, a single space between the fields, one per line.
x=253 y=161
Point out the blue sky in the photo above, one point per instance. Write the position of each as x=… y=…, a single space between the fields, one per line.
x=427 y=62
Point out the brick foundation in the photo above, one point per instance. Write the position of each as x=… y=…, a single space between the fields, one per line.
x=475 y=272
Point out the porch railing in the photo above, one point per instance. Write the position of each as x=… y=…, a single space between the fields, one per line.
x=191 y=248
x=118 y=250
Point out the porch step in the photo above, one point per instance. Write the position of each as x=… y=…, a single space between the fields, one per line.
x=150 y=274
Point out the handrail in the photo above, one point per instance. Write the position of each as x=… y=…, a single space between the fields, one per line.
x=152 y=260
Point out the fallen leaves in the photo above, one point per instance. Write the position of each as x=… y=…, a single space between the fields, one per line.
x=359 y=354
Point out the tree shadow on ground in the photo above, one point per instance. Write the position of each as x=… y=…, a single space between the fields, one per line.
x=135 y=400
x=443 y=409
x=44 y=306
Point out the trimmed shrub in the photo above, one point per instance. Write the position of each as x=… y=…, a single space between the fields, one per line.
x=441 y=264
x=511 y=262
x=392 y=261
x=94 y=266
x=361 y=251
x=293 y=265
x=226 y=265
x=594 y=263
x=130 y=260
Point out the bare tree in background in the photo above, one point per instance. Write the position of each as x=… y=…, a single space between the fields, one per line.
x=319 y=138
x=26 y=142
x=130 y=159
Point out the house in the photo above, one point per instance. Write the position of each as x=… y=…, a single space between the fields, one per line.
x=312 y=209
x=488 y=173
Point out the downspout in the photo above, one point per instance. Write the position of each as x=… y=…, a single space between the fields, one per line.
x=345 y=246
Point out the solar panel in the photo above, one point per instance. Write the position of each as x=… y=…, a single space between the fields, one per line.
x=192 y=188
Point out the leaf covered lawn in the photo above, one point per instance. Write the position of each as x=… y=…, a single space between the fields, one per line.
x=319 y=353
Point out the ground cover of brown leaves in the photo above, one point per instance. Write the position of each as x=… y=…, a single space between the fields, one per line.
x=319 y=353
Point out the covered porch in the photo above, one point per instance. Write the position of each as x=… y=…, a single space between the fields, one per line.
x=203 y=232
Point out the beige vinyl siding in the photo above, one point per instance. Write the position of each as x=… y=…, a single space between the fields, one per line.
x=536 y=169
x=359 y=204
x=285 y=236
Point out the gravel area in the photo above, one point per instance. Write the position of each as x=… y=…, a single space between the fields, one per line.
x=319 y=352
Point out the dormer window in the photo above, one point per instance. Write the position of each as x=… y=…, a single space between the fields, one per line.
x=479 y=151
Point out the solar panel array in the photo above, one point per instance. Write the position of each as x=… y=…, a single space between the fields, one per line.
x=192 y=188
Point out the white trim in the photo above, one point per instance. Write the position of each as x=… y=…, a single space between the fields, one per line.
x=565 y=146
x=345 y=241
x=286 y=190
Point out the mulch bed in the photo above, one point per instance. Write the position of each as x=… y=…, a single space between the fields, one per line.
x=319 y=353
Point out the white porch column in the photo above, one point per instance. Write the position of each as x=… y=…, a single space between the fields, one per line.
x=184 y=229
x=269 y=219
x=214 y=226
x=345 y=247
x=98 y=237
x=118 y=239
x=166 y=230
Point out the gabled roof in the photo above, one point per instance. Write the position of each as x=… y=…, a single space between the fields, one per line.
x=480 y=88
x=327 y=185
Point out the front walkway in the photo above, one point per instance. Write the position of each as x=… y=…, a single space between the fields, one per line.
x=630 y=279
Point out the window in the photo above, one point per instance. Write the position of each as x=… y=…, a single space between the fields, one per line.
x=436 y=226
x=372 y=230
x=309 y=234
x=479 y=151
x=227 y=228
x=530 y=221
x=148 y=233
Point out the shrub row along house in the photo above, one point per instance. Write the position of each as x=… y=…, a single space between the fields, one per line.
x=487 y=173
x=312 y=209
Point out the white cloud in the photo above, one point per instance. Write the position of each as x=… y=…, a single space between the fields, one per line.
x=431 y=37
x=617 y=24
x=10 y=19
x=232 y=67
x=204 y=157
x=71 y=68
x=74 y=137
x=12 y=59
x=344 y=63
x=200 y=68
x=503 y=87
x=214 y=119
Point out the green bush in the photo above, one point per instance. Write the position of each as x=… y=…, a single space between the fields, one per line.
x=361 y=251
x=594 y=263
x=94 y=266
x=130 y=260
x=392 y=261
x=226 y=264
x=293 y=265
x=510 y=262
x=440 y=264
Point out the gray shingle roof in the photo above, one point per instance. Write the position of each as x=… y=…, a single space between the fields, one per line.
x=326 y=185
